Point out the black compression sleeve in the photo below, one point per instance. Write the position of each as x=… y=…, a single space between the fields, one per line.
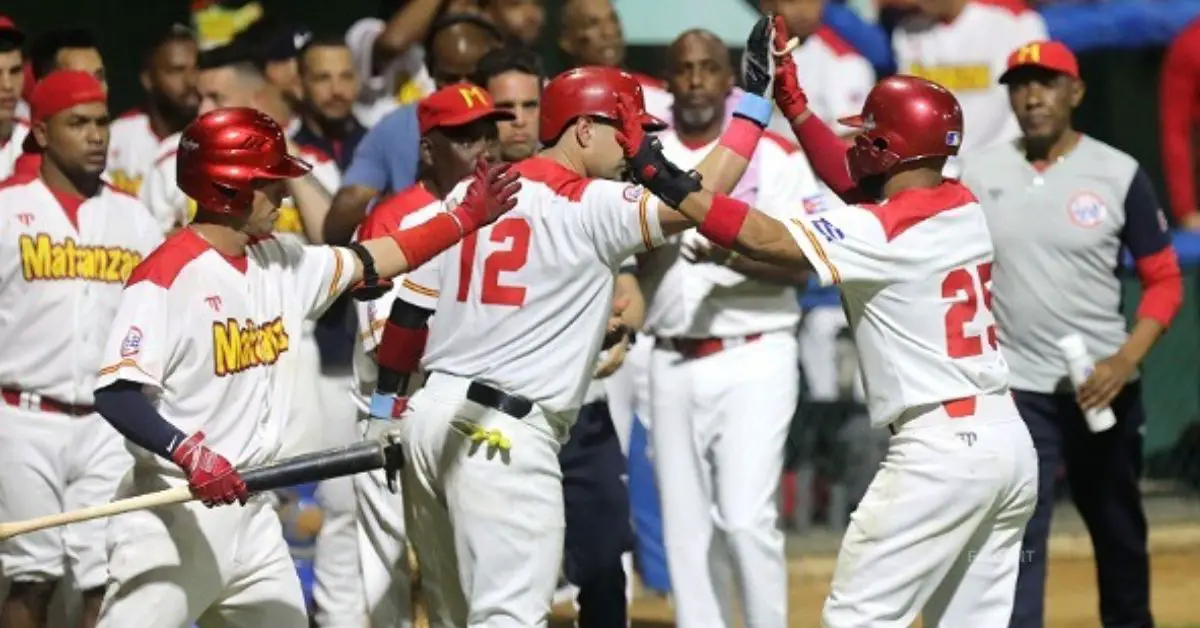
x=129 y=411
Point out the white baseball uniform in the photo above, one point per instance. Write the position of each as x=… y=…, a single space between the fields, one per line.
x=939 y=529
x=723 y=388
x=835 y=77
x=64 y=260
x=10 y=150
x=133 y=147
x=211 y=335
x=521 y=310
x=967 y=57
x=382 y=535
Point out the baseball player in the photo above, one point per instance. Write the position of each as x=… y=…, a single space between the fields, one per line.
x=196 y=368
x=13 y=129
x=168 y=75
x=1061 y=207
x=723 y=376
x=68 y=244
x=458 y=124
x=939 y=530
x=520 y=316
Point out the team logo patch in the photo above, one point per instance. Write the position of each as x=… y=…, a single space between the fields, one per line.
x=953 y=138
x=813 y=205
x=132 y=343
x=632 y=193
x=1087 y=210
x=828 y=230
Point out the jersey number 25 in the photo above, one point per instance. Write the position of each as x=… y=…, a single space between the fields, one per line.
x=512 y=231
x=959 y=284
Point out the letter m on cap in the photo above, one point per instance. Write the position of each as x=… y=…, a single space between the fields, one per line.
x=1030 y=53
x=473 y=95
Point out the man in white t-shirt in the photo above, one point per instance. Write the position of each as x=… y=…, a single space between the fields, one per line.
x=12 y=80
x=962 y=45
x=196 y=373
x=939 y=531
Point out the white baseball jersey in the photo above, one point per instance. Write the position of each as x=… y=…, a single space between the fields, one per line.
x=836 y=78
x=523 y=303
x=133 y=147
x=211 y=334
x=409 y=208
x=10 y=150
x=64 y=261
x=706 y=300
x=404 y=80
x=915 y=273
x=171 y=207
x=967 y=57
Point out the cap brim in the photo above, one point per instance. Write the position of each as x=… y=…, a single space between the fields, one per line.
x=1004 y=78
x=854 y=122
x=653 y=124
x=289 y=168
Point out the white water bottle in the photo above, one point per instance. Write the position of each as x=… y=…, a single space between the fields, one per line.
x=1079 y=368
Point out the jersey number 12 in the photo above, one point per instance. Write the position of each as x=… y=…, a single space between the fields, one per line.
x=960 y=283
x=512 y=231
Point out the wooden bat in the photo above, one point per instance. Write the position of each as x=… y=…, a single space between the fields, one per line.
x=321 y=465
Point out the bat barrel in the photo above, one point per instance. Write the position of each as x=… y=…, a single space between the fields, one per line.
x=317 y=466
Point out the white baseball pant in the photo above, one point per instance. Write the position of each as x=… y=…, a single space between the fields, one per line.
x=628 y=390
x=53 y=463
x=323 y=415
x=187 y=564
x=720 y=423
x=487 y=525
x=939 y=529
x=381 y=542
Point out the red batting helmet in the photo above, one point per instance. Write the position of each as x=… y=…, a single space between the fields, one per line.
x=905 y=118
x=589 y=91
x=224 y=153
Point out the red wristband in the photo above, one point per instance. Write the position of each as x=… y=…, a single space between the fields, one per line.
x=421 y=243
x=724 y=220
x=741 y=137
x=401 y=348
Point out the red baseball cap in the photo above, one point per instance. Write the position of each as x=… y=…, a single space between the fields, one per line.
x=1049 y=55
x=456 y=105
x=9 y=31
x=57 y=92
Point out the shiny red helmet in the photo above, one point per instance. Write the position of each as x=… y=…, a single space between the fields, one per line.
x=905 y=118
x=224 y=154
x=589 y=91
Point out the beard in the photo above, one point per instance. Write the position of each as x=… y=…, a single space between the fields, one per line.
x=696 y=118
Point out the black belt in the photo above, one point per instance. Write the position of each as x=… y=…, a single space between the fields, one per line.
x=496 y=399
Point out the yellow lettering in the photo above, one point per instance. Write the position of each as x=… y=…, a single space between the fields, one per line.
x=125 y=182
x=35 y=257
x=955 y=77
x=238 y=347
x=472 y=94
x=1030 y=53
x=227 y=341
x=44 y=259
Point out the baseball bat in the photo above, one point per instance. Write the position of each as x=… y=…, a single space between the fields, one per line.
x=313 y=467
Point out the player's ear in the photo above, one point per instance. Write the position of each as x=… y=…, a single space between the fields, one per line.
x=425 y=152
x=40 y=131
x=144 y=78
x=1077 y=91
x=583 y=131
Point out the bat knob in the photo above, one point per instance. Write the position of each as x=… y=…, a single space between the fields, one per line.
x=393 y=460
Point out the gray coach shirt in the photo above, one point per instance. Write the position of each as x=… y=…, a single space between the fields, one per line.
x=1058 y=236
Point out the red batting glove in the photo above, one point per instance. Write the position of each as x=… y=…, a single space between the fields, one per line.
x=210 y=476
x=490 y=195
x=790 y=97
x=630 y=133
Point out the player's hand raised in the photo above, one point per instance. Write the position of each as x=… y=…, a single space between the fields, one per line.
x=790 y=97
x=758 y=61
x=211 y=478
x=648 y=165
x=492 y=193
